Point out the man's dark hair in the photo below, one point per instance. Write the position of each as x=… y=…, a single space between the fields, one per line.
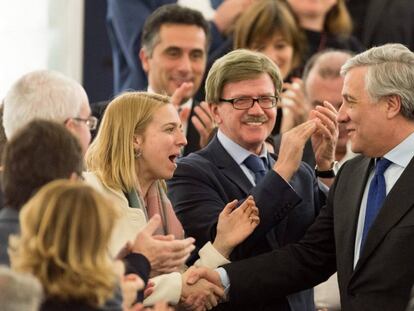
x=170 y=14
x=38 y=153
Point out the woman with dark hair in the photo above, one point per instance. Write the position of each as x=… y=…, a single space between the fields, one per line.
x=38 y=153
x=326 y=23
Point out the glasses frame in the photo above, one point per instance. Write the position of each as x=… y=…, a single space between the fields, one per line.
x=253 y=101
x=91 y=122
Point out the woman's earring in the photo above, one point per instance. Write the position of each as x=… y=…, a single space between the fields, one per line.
x=137 y=153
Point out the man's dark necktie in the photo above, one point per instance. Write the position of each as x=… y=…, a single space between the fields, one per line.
x=376 y=196
x=256 y=165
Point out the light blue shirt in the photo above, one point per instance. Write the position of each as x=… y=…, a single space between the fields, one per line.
x=239 y=154
x=400 y=156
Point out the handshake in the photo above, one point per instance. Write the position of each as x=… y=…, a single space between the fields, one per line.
x=201 y=289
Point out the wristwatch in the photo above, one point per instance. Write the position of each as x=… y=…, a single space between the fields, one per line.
x=331 y=173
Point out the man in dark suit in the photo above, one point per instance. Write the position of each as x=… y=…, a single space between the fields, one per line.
x=243 y=88
x=173 y=54
x=366 y=230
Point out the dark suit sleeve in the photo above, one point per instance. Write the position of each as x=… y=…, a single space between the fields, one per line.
x=199 y=192
x=289 y=269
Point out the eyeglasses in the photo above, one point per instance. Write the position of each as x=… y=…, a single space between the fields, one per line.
x=244 y=103
x=91 y=122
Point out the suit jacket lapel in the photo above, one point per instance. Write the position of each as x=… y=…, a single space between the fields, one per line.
x=348 y=201
x=372 y=17
x=193 y=138
x=397 y=203
x=228 y=166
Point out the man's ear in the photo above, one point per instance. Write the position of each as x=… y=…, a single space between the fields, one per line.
x=214 y=108
x=144 y=60
x=70 y=124
x=393 y=105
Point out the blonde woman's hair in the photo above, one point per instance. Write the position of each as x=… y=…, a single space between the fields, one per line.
x=111 y=155
x=65 y=231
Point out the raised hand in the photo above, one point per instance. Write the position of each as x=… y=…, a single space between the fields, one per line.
x=235 y=224
x=165 y=254
x=202 y=293
x=291 y=148
x=203 y=122
x=181 y=95
x=325 y=138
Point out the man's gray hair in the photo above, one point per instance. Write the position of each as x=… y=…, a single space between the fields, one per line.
x=41 y=94
x=390 y=72
x=19 y=291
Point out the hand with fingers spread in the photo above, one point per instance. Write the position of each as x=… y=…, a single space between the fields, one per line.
x=202 y=293
x=291 y=148
x=164 y=253
x=326 y=136
x=235 y=224
x=180 y=96
x=295 y=107
x=203 y=122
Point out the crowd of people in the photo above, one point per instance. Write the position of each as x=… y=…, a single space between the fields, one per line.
x=261 y=160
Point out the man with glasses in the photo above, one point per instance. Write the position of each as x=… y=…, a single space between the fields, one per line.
x=45 y=94
x=243 y=90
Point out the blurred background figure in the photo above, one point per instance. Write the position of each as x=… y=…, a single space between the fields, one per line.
x=38 y=153
x=125 y=20
x=50 y=95
x=326 y=23
x=19 y=291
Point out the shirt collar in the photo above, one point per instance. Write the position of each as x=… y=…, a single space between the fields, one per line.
x=403 y=152
x=237 y=152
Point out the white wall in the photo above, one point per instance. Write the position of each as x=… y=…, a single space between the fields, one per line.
x=40 y=34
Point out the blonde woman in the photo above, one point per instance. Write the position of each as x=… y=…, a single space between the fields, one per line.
x=135 y=150
x=65 y=230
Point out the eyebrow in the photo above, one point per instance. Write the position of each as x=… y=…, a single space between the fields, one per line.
x=173 y=124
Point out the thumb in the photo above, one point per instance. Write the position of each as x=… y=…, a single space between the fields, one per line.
x=178 y=96
x=152 y=224
x=230 y=207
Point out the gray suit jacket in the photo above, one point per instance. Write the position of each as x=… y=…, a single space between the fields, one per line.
x=9 y=224
x=384 y=274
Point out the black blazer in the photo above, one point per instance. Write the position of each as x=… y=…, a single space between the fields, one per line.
x=193 y=137
x=384 y=274
x=207 y=180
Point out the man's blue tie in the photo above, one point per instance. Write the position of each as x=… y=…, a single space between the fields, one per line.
x=256 y=165
x=376 y=196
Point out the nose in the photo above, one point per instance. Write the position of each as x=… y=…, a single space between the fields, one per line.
x=255 y=109
x=343 y=116
x=181 y=140
x=185 y=64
